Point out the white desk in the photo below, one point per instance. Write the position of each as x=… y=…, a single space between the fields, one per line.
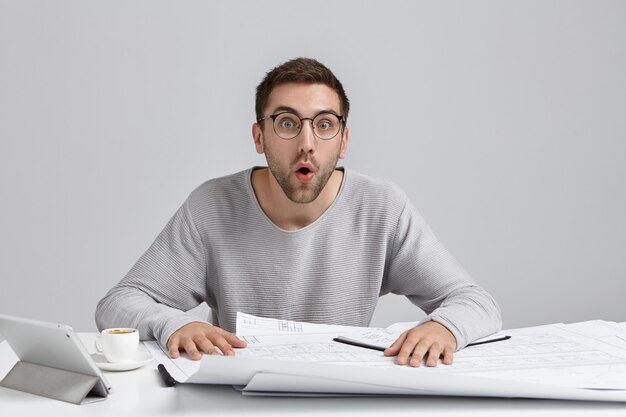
x=141 y=392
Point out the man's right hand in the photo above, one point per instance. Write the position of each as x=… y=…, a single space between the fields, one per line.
x=197 y=338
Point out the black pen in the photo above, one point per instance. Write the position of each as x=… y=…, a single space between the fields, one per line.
x=166 y=377
x=499 y=339
x=351 y=342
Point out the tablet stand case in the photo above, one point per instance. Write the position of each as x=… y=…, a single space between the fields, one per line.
x=58 y=384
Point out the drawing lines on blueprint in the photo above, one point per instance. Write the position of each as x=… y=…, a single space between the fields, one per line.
x=282 y=326
x=328 y=352
x=525 y=351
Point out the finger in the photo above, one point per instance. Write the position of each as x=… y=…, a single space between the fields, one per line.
x=418 y=354
x=234 y=340
x=204 y=345
x=172 y=347
x=191 y=349
x=223 y=345
x=395 y=346
x=433 y=355
x=448 y=354
x=406 y=350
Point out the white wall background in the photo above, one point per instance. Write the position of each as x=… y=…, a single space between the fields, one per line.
x=505 y=122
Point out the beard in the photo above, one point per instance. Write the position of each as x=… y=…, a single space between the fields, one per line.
x=295 y=190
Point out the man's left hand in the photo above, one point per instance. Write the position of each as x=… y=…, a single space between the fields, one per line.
x=429 y=340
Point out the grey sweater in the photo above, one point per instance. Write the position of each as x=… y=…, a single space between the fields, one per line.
x=221 y=248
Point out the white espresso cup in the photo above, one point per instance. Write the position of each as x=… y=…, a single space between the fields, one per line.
x=118 y=344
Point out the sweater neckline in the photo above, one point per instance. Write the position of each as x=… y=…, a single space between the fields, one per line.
x=252 y=195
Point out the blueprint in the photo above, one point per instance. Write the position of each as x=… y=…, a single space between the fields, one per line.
x=584 y=360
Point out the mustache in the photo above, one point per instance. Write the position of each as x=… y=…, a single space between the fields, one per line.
x=311 y=160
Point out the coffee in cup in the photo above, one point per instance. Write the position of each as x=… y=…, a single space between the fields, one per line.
x=120 y=331
x=119 y=345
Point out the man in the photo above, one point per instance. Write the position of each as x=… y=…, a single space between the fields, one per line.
x=299 y=240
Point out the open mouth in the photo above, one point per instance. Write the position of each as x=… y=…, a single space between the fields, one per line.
x=304 y=173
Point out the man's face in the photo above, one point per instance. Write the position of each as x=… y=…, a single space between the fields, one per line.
x=302 y=165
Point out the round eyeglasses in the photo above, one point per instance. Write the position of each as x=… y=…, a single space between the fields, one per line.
x=288 y=125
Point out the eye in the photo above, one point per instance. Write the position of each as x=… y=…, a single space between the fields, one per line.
x=324 y=125
x=326 y=122
x=287 y=122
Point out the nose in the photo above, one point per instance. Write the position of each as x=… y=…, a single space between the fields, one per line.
x=306 y=137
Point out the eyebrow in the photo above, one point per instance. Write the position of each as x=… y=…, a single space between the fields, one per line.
x=292 y=110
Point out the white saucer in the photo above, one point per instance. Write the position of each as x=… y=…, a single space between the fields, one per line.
x=140 y=359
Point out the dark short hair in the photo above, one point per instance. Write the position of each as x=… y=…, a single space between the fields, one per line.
x=299 y=70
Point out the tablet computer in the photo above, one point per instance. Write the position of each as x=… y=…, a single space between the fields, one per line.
x=41 y=344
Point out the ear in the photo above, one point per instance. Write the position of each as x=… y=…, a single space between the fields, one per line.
x=257 y=136
x=344 y=143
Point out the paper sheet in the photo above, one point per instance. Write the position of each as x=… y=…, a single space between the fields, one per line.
x=180 y=369
x=248 y=324
x=581 y=355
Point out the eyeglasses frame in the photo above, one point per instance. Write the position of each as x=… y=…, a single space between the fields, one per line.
x=342 y=122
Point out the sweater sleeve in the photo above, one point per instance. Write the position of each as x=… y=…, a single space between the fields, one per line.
x=423 y=270
x=167 y=280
